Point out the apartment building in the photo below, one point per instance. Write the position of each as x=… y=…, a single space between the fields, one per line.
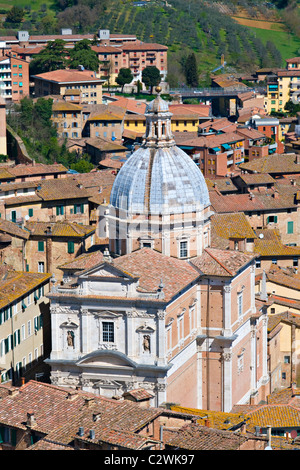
x=133 y=55
x=23 y=40
x=24 y=315
x=14 y=77
x=59 y=81
x=283 y=85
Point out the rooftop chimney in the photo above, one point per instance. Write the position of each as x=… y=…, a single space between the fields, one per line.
x=92 y=434
x=31 y=421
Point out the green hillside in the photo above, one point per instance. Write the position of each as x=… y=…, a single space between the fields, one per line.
x=205 y=28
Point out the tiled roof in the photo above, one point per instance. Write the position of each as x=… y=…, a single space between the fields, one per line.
x=82 y=262
x=195 y=437
x=250 y=133
x=283 y=277
x=36 y=169
x=59 y=414
x=152 y=268
x=61 y=189
x=65 y=106
x=225 y=263
x=59 y=229
x=131 y=105
x=18 y=284
x=69 y=76
x=222 y=184
x=105 y=145
x=256 y=201
x=232 y=225
x=217 y=419
x=283 y=397
x=143 y=47
x=211 y=141
x=5 y=174
x=276 y=416
x=103 y=112
x=6 y=226
x=276 y=163
x=257 y=178
x=268 y=243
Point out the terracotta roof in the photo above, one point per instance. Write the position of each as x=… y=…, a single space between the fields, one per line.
x=271 y=200
x=59 y=229
x=59 y=414
x=224 y=263
x=222 y=184
x=143 y=47
x=256 y=178
x=276 y=163
x=195 y=437
x=69 y=76
x=65 y=106
x=268 y=243
x=152 y=268
x=131 y=105
x=6 y=226
x=37 y=169
x=60 y=189
x=203 y=110
x=293 y=60
x=211 y=141
x=230 y=226
x=283 y=277
x=217 y=419
x=276 y=416
x=283 y=397
x=250 y=133
x=105 y=145
x=103 y=112
x=5 y=174
x=18 y=284
x=83 y=262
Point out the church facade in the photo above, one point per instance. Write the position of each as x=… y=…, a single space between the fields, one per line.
x=162 y=310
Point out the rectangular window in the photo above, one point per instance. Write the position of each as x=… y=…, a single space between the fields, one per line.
x=59 y=210
x=183 y=250
x=272 y=218
x=70 y=247
x=240 y=304
x=108 y=332
x=290 y=227
x=40 y=246
x=41 y=267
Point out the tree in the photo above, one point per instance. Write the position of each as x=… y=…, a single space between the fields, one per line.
x=15 y=15
x=191 y=70
x=82 y=54
x=124 y=77
x=151 y=76
x=52 y=57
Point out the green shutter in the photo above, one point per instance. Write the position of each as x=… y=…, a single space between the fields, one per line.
x=70 y=247
x=290 y=227
x=82 y=208
x=30 y=212
x=40 y=246
x=275 y=219
x=57 y=210
x=1 y=434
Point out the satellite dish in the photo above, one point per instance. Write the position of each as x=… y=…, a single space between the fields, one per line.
x=268 y=448
x=27 y=217
x=261 y=235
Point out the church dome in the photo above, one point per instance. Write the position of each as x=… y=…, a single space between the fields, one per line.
x=159 y=177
